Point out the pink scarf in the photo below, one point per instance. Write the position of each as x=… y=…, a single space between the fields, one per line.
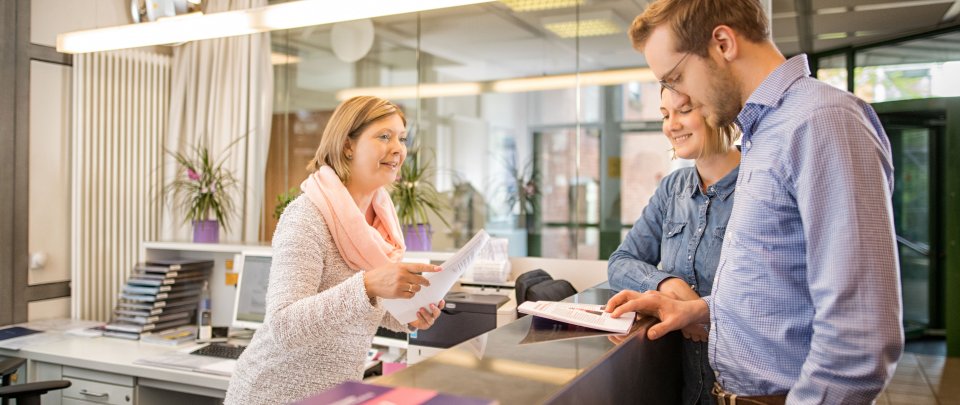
x=362 y=246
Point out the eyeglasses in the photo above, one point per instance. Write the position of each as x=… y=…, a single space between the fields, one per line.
x=665 y=81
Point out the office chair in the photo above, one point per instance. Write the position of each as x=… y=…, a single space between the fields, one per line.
x=24 y=394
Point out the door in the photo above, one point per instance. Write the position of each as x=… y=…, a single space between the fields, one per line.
x=914 y=138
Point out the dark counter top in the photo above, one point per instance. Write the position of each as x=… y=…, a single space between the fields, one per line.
x=534 y=360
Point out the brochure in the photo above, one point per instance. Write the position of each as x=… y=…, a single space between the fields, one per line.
x=548 y=330
x=357 y=393
x=587 y=315
x=405 y=310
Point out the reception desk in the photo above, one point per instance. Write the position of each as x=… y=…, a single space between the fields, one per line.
x=533 y=361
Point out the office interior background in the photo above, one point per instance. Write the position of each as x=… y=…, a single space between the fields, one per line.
x=507 y=104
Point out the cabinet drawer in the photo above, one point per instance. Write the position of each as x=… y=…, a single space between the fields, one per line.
x=98 y=392
x=71 y=401
x=99 y=376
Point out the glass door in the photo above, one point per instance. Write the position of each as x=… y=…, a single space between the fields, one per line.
x=914 y=137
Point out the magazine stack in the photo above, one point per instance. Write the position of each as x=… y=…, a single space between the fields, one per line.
x=159 y=295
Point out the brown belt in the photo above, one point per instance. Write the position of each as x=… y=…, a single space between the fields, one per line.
x=726 y=398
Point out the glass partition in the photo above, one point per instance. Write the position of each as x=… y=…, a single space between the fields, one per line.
x=512 y=108
x=833 y=70
x=920 y=68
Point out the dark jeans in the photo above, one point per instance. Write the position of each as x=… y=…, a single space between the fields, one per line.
x=698 y=377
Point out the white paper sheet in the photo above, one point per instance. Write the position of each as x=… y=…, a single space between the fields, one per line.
x=405 y=310
x=191 y=362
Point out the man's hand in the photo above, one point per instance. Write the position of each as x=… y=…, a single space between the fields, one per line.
x=673 y=314
x=678 y=289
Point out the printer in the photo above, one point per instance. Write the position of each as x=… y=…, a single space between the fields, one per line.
x=465 y=316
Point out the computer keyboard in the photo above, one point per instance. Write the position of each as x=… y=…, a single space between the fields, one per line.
x=222 y=350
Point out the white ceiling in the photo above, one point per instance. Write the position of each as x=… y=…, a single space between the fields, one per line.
x=489 y=41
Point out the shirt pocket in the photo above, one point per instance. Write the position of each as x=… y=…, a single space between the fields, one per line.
x=672 y=245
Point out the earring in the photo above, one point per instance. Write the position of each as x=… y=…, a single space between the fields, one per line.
x=349 y=157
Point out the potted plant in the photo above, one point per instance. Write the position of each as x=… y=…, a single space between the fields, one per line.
x=415 y=196
x=523 y=192
x=283 y=200
x=201 y=190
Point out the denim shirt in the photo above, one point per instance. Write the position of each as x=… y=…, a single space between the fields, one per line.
x=679 y=235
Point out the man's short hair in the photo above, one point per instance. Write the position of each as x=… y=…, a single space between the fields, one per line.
x=693 y=21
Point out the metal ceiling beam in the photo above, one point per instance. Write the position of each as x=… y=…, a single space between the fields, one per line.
x=804 y=20
x=952 y=12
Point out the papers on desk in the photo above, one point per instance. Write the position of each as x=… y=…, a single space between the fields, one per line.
x=190 y=362
x=52 y=329
x=587 y=315
x=405 y=310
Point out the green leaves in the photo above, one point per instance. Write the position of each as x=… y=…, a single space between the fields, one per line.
x=201 y=188
x=414 y=195
x=523 y=188
x=283 y=200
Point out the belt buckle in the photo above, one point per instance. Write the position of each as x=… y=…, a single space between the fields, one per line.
x=723 y=396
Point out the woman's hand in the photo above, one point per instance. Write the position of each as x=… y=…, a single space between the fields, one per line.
x=397 y=280
x=679 y=289
x=426 y=318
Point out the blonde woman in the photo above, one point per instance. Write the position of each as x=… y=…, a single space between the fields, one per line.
x=336 y=254
x=675 y=246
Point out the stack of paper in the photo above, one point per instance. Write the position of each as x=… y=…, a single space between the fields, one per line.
x=405 y=310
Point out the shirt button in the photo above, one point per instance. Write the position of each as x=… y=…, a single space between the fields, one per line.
x=747 y=144
x=699 y=229
x=689 y=257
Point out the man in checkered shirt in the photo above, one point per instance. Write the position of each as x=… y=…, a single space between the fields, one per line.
x=806 y=304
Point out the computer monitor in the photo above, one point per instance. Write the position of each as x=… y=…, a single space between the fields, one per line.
x=250 y=306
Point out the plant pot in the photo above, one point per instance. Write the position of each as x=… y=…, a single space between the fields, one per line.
x=206 y=231
x=417 y=237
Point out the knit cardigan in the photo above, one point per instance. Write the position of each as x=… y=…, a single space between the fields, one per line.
x=319 y=321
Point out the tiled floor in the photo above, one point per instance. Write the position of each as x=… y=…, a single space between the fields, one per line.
x=923 y=379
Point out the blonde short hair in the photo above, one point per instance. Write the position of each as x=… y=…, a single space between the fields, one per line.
x=693 y=21
x=349 y=120
x=722 y=140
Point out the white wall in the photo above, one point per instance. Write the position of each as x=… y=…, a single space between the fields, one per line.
x=49 y=215
x=48 y=309
x=50 y=140
x=51 y=17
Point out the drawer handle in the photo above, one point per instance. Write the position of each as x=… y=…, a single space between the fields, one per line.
x=90 y=394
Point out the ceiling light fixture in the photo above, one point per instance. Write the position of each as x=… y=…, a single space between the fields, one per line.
x=601 y=78
x=281 y=16
x=589 y=25
x=536 y=5
x=553 y=82
x=280 y=58
x=429 y=90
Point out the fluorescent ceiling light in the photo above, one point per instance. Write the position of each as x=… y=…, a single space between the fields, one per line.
x=431 y=90
x=535 y=5
x=280 y=58
x=832 y=35
x=899 y=4
x=589 y=25
x=602 y=78
x=289 y=15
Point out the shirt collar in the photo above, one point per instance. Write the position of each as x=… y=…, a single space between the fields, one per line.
x=724 y=188
x=771 y=90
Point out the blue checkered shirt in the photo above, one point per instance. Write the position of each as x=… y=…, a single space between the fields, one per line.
x=807 y=293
